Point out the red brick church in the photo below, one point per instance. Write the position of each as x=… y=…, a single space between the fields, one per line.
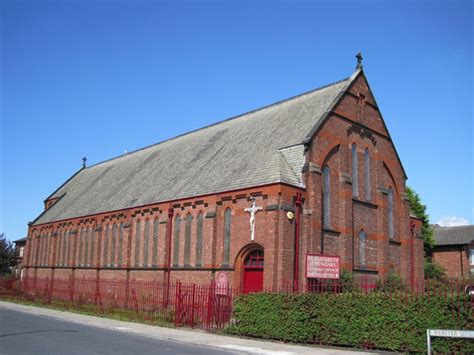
x=258 y=197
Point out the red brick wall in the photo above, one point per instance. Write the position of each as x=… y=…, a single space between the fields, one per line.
x=454 y=259
x=67 y=261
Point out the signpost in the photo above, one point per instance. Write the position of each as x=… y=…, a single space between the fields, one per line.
x=322 y=266
x=443 y=333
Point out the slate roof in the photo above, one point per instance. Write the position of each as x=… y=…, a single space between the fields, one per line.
x=21 y=240
x=259 y=147
x=454 y=235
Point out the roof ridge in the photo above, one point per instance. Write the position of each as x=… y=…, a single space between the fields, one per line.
x=223 y=121
x=452 y=227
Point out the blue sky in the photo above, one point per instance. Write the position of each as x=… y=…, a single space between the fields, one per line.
x=98 y=78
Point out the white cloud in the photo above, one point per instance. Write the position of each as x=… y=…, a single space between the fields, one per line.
x=450 y=221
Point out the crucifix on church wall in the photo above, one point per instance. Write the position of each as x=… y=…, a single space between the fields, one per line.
x=253 y=211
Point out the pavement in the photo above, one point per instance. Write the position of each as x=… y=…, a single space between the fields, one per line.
x=34 y=330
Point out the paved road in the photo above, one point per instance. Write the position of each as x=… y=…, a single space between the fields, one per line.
x=22 y=333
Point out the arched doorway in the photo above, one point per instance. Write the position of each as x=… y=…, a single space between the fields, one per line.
x=253 y=271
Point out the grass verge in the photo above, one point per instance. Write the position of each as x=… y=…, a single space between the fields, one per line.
x=121 y=314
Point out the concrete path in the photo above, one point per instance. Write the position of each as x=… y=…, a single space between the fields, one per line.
x=198 y=339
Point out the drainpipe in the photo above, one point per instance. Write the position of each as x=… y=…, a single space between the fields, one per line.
x=168 y=262
x=297 y=241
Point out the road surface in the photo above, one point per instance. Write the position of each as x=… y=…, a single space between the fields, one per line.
x=22 y=333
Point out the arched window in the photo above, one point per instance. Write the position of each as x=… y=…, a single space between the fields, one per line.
x=156 y=224
x=367 y=175
x=66 y=248
x=92 y=238
x=90 y=251
x=326 y=197
x=120 y=246
x=227 y=224
x=40 y=253
x=86 y=247
x=391 y=229
x=137 y=243
x=70 y=248
x=355 y=173
x=177 y=222
x=38 y=250
x=199 y=239
x=79 y=247
x=106 y=245
x=58 y=248
x=48 y=248
x=63 y=247
x=187 y=239
x=113 y=242
x=145 y=243
x=362 y=248
x=45 y=252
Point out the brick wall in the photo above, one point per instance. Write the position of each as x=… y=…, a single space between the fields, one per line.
x=454 y=259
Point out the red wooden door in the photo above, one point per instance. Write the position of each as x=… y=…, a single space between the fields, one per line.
x=253 y=272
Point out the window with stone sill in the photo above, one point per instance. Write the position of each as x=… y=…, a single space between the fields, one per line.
x=113 y=243
x=120 y=246
x=355 y=174
x=227 y=224
x=92 y=253
x=326 y=197
x=137 y=243
x=187 y=239
x=177 y=222
x=146 y=243
x=199 y=239
x=106 y=246
x=156 y=225
x=391 y=227
x=368 y=192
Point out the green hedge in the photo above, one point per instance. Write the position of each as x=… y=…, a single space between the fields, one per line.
x=378 y=320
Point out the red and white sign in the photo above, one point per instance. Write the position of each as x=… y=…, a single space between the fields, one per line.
x=222 y=283
x=322 y=266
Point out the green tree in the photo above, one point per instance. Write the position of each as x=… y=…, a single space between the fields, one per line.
x=7 y=255
x=419 y=210
x=434 y=271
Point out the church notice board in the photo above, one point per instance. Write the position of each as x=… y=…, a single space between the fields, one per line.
x=322 y=266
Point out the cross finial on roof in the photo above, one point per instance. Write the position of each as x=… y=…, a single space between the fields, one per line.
x=84 y=159
x=359 y=60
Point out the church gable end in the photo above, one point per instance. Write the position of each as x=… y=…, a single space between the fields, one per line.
x=359 y=105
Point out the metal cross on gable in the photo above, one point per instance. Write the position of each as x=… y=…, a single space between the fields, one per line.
x=253 y=211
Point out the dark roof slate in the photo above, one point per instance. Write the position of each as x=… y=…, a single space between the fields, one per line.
x=256 y=148
x=454 y=235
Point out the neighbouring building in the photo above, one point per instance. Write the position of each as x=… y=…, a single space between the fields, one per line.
x=20 y=246
x=250 y=198
x=454 y=250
